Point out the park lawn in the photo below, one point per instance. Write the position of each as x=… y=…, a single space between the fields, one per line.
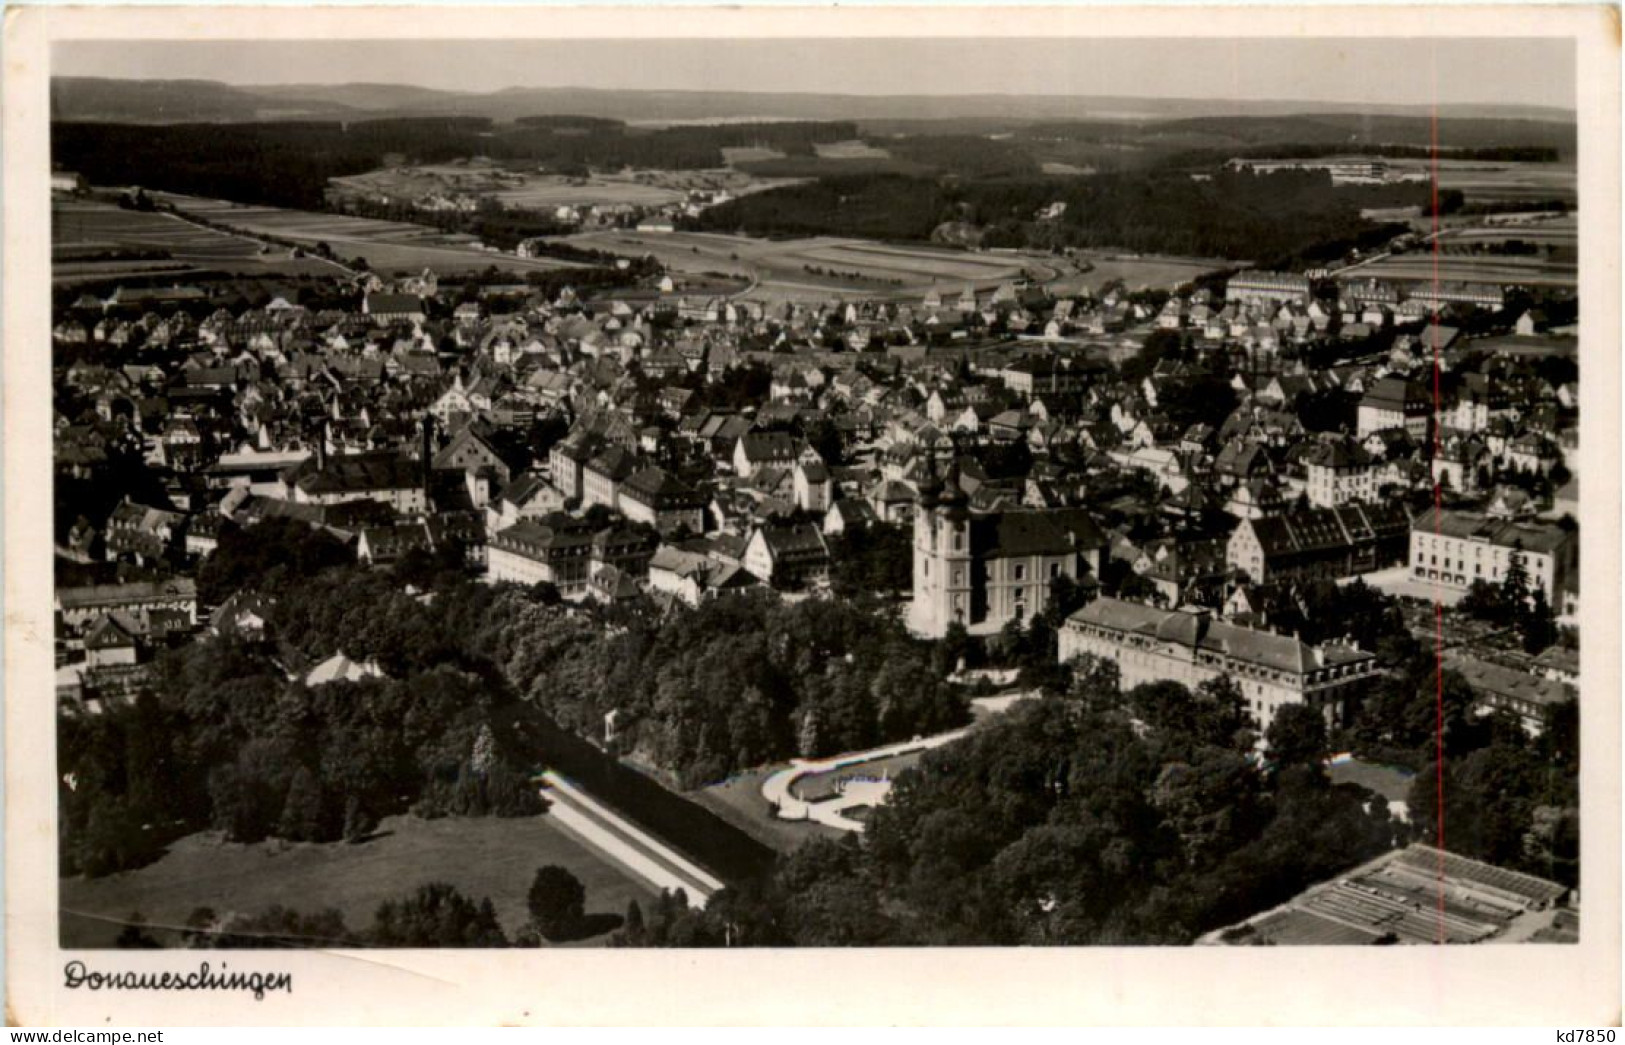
x=739 y=801
x=481 y=857
x=1391 y=782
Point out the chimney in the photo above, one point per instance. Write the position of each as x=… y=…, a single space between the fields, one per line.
x=321 y=447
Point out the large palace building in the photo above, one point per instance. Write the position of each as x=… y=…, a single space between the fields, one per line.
x=1150 y=645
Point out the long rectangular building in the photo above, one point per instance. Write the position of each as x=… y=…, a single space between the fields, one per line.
x=1327 y=543
x=80 y=606
x=1532 y=698
x=1455 y=549
x=1415 y=895
x=1151 y=645
x=1267 y=287
x=565 y=552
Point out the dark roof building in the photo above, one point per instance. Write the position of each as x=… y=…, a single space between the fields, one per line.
x=377 y=475
x=1320 y=542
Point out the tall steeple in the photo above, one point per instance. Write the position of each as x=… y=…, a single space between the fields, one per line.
x=930 y=489
x=955 y=501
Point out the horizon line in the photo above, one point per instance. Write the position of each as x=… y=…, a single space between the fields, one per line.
x=1270 y=100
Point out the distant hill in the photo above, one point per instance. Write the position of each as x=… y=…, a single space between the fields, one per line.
x=176 y=101
x=364 y=98
x=173 y=101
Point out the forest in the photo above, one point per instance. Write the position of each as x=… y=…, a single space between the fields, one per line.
x=225 y=738
x=1102 y=816
x=1098 y=816
x=1200 y=158
x=474 y=682
x=1306 y=134
x=289 y=164
x=921 y=182
x=1232 y=215
x=736 y=683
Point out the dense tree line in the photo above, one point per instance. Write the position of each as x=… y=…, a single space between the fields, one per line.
x=1095 y=816
x=1202 y=158
x=226 y=740
x=878 y=559
x=1363 y=131
x=736 y=683
x=1321 y=134
x=1089 y=817
x=813 y=167
x=964 y=155
x=267 y=557
x=1233 y=214
x=1510 y=798
x=1514 y=603
x=883 y=206
x=435 y=914
x=288 y=164
x=230 y=737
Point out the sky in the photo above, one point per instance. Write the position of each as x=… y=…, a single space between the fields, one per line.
x=1371 y=71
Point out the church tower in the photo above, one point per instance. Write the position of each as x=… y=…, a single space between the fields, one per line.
x=959 y=567
x=923 y=610
x=943 y=564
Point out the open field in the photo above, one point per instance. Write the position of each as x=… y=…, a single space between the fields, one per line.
x=793 y=168
x=908 y=262
x=1556 y=263
x=515 y=189
x=530 y=189
x=1509 y=181
x=1146 y=270
x=780 y=268
x=1397 y=581
x=483 y=857
x=546 y=193
x=78 y=226
x=1391 y=782
x=850 y=150
x=1558 y=234
x=81 y=228
x=388 y=246
x=732 y=154
x=1484 y=180
x=73 y=273
x=1505 y=270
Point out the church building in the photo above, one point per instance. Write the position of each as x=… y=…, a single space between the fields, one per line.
x=984 y=569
